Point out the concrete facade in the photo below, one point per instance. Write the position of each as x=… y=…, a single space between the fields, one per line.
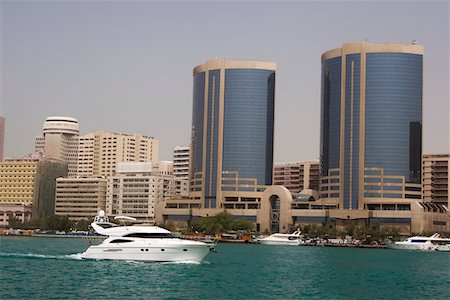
x=80 y=198
x=59 y=140
x=19 y=211
x=100 y=152
x=297 y=176
x=181 y=162
x=30 y=181
x=435 y=178
x=135 y=194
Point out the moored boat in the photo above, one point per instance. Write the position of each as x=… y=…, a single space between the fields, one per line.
x=293 y=239
x=424 y=243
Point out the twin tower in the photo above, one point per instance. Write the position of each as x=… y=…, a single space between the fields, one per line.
x=370 y=136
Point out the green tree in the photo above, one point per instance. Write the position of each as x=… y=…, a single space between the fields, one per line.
x=14 y=222
x=222 y=222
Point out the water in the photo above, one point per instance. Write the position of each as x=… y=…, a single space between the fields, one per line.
x=51 y=268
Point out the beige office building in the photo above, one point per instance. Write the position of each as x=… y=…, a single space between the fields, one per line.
x=59 y=140
x=29 y=184
x=297 y=176
x=80 y=198
x=435 y=178
x=99 y=152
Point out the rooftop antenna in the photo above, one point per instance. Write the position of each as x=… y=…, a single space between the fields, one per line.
x=414 y=42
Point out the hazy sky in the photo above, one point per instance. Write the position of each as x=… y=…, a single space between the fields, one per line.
x=126 y=66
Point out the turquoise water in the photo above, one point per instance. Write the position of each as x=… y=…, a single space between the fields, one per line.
x=50 y=268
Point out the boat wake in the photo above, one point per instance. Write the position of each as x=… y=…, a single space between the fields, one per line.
x=76 y=256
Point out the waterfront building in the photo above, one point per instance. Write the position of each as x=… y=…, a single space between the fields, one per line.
x=134 y=191
x=22 y=212
x=371 y=125
x=80 y=198
x=181 y=162
x=99 y=152
x=435 y=178
x=297 y=176
x=370 y=150
x=30 y=182
x=232 y=129
x=59 y=140
x=2 y=137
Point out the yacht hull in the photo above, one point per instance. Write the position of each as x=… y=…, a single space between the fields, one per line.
x=156 y=250
x=288 y=243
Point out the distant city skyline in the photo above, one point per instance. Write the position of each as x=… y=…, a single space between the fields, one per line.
x=126 y=67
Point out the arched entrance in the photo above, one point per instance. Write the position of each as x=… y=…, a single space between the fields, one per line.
x=275 y=213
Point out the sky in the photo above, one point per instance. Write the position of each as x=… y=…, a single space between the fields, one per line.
x=126 y=66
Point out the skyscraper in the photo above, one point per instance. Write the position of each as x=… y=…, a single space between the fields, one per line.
x=371 y=125
x=232 y=128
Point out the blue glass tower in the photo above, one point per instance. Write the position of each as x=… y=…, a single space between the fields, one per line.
x=232 y=128
x=371 y=123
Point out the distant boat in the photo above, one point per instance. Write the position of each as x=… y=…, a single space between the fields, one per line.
x=293 y=239
x=424 y=243
x=142 y=243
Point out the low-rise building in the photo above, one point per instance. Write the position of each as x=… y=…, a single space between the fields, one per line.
x=134 y=191
x=435 y=175
x=80 y=198
x=30 y=182
x=297 y=176
x=181 y=162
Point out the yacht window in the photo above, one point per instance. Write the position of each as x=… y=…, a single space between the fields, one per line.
x=418 y=241
x=152 y=235
x=119 y=241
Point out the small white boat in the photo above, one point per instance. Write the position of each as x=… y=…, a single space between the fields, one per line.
x=293 y=239
x=142 y=243
x=424 y=243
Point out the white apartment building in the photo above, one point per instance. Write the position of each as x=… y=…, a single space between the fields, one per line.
x=100 y=152
x=134 y=191
x=181 y=162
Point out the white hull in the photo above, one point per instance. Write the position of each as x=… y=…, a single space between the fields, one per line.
x=155 y=251
x=291 y=239
x=432 y=243
x=289 y=243
x=422 y=247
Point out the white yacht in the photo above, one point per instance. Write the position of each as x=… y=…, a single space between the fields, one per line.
x=293 y=239
x=432 y=243
x=142 y=243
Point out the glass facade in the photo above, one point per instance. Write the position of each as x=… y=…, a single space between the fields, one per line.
x=394 y=114
x=351 y=130
x=249 y=123
x=393 y=122
x=247 y=132
x=197 y=122
x=212 y=136
x=330 y=115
